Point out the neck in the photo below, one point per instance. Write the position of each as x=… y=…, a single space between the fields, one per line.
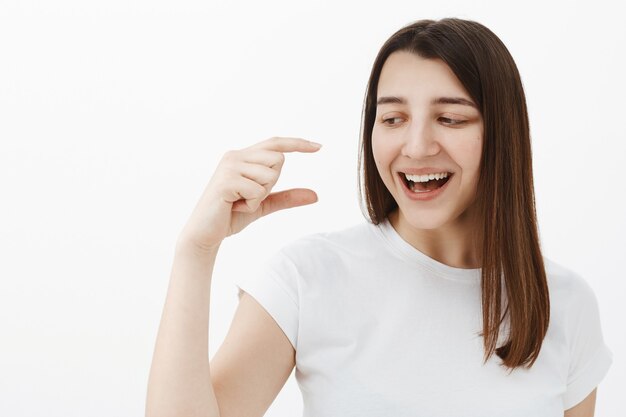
x=455 y=245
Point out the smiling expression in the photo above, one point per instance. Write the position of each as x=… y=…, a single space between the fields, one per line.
x=426 y=119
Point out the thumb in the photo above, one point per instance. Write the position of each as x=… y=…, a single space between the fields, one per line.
x=287 y=199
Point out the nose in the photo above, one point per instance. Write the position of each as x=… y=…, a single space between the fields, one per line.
x=420 y=141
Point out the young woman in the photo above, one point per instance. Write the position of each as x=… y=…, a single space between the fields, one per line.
x=441 y=304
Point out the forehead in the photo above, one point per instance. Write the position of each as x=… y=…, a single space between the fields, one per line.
x=408 y=74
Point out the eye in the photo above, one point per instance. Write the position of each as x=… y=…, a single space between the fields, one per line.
x=391 y=118
x=452 y=122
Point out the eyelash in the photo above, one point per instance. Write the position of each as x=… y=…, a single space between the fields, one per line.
x=454 y=122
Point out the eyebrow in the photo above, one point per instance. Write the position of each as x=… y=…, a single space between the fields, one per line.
x=438 y=100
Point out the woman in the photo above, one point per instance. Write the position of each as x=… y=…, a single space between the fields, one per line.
x=402 y=314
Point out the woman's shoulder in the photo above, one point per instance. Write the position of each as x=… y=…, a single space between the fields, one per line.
x=566 y=284
x=347 y=235
x=354 y=239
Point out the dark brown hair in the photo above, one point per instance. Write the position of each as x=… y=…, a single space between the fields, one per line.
x=509 y=249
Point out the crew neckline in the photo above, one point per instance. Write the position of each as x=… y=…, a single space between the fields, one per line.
x=415 y=256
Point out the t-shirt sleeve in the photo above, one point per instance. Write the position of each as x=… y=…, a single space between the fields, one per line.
x=590 y=357
x=275 y=287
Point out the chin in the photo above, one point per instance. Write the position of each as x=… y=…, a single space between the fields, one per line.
x=425 y=221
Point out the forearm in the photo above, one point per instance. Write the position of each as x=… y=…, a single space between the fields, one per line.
x=179 y=382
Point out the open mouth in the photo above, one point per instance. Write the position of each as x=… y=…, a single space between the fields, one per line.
x=421 y=186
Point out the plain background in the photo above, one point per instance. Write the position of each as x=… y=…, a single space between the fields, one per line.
x=114 y=114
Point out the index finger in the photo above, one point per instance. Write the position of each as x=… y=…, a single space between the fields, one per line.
x=287 y=144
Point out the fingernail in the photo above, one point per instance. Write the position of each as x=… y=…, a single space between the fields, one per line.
x=317 y=145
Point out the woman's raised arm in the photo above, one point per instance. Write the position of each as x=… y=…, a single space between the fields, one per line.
x=246 y=378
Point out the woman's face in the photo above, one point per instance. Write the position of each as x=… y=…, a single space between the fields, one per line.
x=416 y=128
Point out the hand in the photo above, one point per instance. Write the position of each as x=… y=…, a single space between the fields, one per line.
x=239 y=191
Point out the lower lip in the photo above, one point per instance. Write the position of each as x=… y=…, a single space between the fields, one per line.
x=425 y=196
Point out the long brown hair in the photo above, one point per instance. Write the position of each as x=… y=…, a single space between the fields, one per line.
x=510 y=253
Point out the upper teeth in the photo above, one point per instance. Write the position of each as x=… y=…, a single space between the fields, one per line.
x=427 y=177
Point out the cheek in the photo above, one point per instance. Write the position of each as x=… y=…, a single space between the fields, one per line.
x=383 y=145
x=378 y=151
x=382 y=158
x=468 y=154
x=476 y=152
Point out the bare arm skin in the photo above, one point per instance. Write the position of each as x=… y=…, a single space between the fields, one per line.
x=256 y=357
x=179 y=382
x=585 y=408
x=253 y=363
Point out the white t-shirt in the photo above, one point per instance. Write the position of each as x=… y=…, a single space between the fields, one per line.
x=381 y=329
